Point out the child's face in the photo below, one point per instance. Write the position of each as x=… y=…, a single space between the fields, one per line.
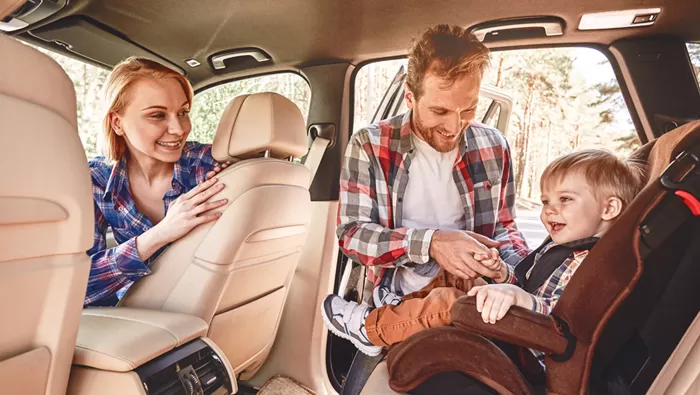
x=570 y=210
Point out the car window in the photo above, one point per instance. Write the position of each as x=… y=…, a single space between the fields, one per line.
x=88 y=81
x=694 y=52
x=564 y=99
x=209 y=104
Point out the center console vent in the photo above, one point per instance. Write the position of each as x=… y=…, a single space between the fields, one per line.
x=192 y=369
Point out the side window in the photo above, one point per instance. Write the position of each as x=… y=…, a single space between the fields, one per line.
x=694 y=52
x=564 y=99
x=209 y=104
x=88 y=81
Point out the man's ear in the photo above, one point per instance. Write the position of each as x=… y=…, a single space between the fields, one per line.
x=410 y=97
x=612 y=209
x=116 y=122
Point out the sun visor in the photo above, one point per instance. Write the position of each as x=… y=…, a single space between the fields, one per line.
x=87 y=38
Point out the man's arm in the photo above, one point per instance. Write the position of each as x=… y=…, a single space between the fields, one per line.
x=513 y=247
x=362 y=238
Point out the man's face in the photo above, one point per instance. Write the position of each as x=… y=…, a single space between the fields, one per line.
x=442 y=114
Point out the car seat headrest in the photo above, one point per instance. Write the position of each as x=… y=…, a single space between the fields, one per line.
x=668 y=146
x=253 y=124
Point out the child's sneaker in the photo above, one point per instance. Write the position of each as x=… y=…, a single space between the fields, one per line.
x=347 y=320
x=383 y=296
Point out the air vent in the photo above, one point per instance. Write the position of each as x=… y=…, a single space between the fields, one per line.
x=188 y=368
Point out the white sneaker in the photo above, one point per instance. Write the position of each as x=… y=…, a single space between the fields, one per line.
x=383 y=296
x=346 y=319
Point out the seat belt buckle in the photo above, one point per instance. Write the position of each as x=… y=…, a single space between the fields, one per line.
x=682 y=177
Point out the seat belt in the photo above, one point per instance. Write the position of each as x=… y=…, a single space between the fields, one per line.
x=362 y=367
x=315 y=155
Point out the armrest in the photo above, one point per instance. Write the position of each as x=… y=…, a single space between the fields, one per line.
x=520 y=326
x=121 y=339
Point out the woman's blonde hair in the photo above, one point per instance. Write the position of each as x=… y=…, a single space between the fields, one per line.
x=119 y=82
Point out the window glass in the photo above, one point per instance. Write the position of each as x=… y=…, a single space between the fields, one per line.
x=88 y=81
x=694 y=52
x=209 y=105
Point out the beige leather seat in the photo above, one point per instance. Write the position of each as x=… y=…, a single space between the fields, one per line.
x=235 y=273
x=46 y=221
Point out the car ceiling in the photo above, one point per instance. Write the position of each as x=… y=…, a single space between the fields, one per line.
x=302 y=33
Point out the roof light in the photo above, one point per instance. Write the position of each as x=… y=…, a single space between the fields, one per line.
x=619 y=19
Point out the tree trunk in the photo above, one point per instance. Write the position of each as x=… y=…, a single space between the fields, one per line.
x=499 y=74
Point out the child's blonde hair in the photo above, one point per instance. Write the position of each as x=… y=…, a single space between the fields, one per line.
x=124 y=75
x=606 y=174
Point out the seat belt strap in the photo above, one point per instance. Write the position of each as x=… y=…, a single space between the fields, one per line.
x=360 y=370
x=315 y=155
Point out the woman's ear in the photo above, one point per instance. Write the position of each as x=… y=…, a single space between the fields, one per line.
x=116 y=122
x=612 y=209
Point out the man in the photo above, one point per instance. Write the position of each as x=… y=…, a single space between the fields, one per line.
x=430 y=188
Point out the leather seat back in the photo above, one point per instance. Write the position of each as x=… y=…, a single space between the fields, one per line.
x=235 y=272
x=46 y=221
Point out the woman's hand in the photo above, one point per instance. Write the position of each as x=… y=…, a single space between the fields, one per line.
x=190 y=210
x=494 y=300
x=184 y=213
x=217 y=169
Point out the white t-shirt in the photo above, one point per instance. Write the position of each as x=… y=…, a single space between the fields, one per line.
x=431 y=201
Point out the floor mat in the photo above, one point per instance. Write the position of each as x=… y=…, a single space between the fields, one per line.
x=283 y=385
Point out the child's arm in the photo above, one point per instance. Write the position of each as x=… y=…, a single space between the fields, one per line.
x=494 y=300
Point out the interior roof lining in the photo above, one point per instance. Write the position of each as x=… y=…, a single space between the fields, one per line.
x=296 y=46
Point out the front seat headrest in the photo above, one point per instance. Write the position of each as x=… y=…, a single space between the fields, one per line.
x=253 y=124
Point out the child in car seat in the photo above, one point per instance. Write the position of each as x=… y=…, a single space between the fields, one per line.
x=582 y=194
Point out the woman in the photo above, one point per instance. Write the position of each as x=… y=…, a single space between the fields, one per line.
x=152 y=187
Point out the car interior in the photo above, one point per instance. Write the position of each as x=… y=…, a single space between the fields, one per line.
x=233 y=307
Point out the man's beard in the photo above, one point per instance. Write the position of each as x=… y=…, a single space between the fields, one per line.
x=432 y=137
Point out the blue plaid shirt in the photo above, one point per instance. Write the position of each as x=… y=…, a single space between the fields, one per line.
x=116 y=268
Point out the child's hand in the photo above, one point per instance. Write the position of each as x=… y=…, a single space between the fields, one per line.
x=494 y=300
x=493 y=262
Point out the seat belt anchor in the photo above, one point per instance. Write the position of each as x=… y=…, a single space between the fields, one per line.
x=682 y=177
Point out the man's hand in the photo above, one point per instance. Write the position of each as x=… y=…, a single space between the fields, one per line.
x=494 y=300
x=454 y=251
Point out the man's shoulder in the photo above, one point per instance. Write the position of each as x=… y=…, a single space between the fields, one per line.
x=382 y=131
x=487 y=136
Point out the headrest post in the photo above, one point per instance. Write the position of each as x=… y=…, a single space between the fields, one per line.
x=267 y=154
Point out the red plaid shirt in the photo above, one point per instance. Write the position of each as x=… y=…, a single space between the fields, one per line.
x=374 y=179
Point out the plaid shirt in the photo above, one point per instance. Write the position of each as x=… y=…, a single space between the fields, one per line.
x=116 y=268
x=546 y=296
x=374 y=178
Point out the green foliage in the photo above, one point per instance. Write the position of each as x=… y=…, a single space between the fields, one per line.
x=209 y=105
